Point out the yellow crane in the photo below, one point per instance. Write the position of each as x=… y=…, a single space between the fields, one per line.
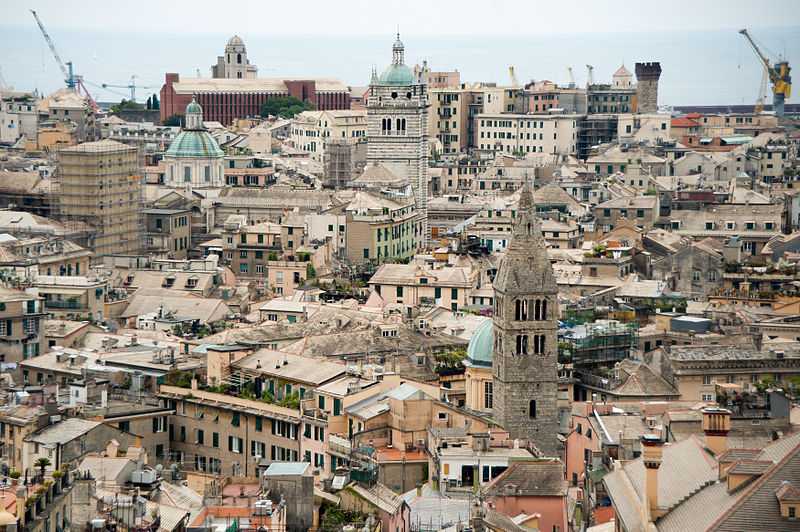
x=779 y=75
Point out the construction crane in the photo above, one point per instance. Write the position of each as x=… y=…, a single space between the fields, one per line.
x=590 y=79
x=73 y=81
x=571 y=78
x=762 y=93
x=779 y=76
x=513 y=76
x=132 y=86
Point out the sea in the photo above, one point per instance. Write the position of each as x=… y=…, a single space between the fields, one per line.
x=715 y=67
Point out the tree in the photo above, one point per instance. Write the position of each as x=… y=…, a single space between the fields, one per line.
x=154 y=100
x=42 y=464
x=125 y=105
x=174 y=120
x=284 y=107
x=149 y=103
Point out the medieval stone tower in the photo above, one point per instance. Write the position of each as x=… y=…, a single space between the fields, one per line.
x=397 y=127
x=525 y=335
x=647 y=75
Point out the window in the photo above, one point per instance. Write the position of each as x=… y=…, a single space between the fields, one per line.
x=160 y=424
x=532 y=409
x=522 y=344
x=707 y=397
x=399 y=291
x=792 y=512
x=259 y=423
x=706 y=379
x=215 y=440
x=235 y=444
x=200 y=437
x=235 y=419
x=488 y=394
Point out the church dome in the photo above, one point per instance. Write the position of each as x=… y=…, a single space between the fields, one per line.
x=235 y=41
x=480 y=350
x=193 y=107
x=397 y=75
x=194 y=143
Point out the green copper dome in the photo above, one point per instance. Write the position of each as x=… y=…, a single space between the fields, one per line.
x=399 y=75
x=194 y=107
x=194 y=143
x=480 y=350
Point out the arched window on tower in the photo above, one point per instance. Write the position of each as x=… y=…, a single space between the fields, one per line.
x=538 y=344
x=532 y=409
x=403 y=123
x=239 y=59
x=520 y=310
x=522 y=344
x=537 y=309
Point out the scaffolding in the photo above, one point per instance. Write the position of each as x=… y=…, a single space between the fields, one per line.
x=99 y=189
x=602 y=342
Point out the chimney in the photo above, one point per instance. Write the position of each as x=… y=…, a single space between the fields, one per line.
x=652 y=450
x=716 y=425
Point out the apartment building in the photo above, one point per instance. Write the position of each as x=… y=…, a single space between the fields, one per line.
x=101 y=186
x=641 y=210
x=168 y=232
x=521 y=134
x=312 y=130
x=76 y=297
x=49 y=255
x=450 y=118
x=21 y=331
x=19 y=116
x=219 y=433
x=414 y=285
x=380 y=228
x=546 y=95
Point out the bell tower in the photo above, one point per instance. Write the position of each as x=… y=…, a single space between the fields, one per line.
x=525 y=361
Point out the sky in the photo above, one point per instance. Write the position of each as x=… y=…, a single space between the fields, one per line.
x=413 y=17
x=704 y=60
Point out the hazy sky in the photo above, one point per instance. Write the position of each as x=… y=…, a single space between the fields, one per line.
x=414 y=17
x=704 y=60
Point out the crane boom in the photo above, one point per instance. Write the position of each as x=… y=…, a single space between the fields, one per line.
x=68 y=77
x=779 y=75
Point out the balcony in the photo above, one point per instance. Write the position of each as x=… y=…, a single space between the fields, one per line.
x=339 y=445
x=64 y=305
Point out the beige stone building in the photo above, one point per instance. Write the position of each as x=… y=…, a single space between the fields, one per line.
x=76 y=297
x=219 y=433
x=381 y=228
x=450 y=123
x=522 y=134
x=20 y=326
x=311 y=131
x=413 y=285
x=99 y=184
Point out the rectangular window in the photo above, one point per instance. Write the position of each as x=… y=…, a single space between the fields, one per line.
x=235 y=419
x=215 y=440
x=259 y=423
x=200 y=437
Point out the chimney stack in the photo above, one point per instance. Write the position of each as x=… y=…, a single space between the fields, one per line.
x=716 y=425
x=652 y=451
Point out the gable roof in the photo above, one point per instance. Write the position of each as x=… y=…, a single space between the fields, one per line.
x=530 y=479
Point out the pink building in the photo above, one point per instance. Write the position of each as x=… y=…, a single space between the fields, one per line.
x=532 y=487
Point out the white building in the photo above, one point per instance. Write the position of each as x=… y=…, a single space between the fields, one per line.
x=397 y=116
x=194 y=158
x=521 y=134
x=312 y=130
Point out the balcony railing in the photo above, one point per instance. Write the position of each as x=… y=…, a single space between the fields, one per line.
x=65 y=305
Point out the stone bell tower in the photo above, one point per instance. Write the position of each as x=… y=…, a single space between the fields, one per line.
x=525 y=362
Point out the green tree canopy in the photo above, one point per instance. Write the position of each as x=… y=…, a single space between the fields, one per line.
x=174 y=120
x=155 y=102
x=284 y=107
x=125 y=105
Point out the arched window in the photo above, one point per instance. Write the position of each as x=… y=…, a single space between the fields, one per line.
x=404 y=125
x=538 y=344
x=522 y=344
x=543 y=314
x=399 y=128
x=532 y=409
x=239 y=58
x=537 y=309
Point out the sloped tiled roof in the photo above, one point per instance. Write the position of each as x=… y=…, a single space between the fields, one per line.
x=530 y=479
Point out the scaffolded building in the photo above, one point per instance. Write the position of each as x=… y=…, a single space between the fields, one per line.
x=99 y=184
